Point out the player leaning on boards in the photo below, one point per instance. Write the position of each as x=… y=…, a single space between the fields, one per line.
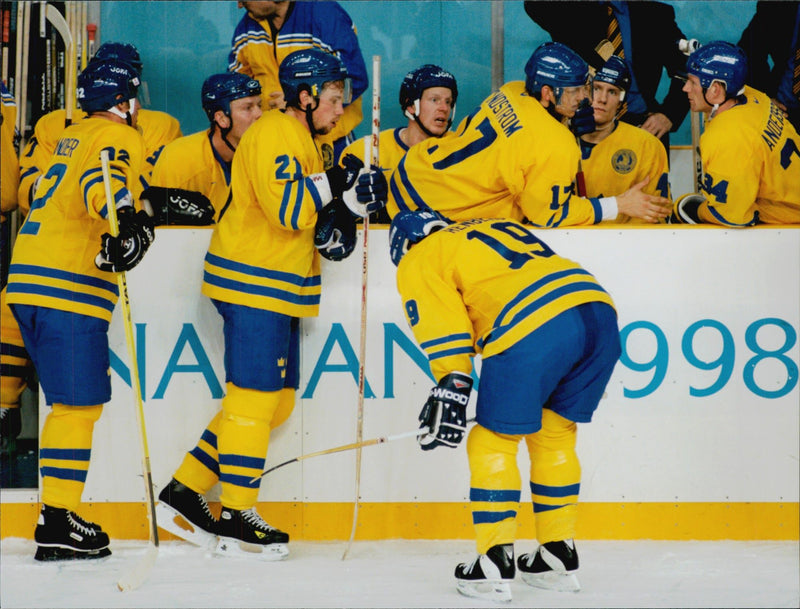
x=617 y=155
x=514 y=157
x=547 y=332
x=428 y=97
x=60 y=288
x=194 y=172
x=262 y=272
x=750 y=152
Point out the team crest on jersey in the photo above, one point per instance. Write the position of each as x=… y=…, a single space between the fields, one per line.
x=623 y=161
x=327 y=156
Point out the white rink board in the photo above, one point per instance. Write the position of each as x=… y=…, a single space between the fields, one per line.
x=733 y=445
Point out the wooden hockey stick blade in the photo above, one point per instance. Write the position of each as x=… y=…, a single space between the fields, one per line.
x=139 y=573
x=338 y=449
x=605 y=49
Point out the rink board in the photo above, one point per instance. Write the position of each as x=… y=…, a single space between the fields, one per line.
x=697 y=437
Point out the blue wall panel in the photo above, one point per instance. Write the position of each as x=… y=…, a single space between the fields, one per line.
x=183 y=42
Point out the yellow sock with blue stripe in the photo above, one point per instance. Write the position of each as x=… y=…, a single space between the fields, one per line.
x=65 y=449
x=555 y=477
x=494 y=486
x=200 y=467
x=242 y=441
x=199 y=470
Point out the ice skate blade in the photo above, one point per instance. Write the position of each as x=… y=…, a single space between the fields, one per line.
x=230 y=546
x=53 y=553
x=492 y=590
x=552 y=580
x=171 y=520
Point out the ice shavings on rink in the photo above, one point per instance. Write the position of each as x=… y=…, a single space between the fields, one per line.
x=407 y=574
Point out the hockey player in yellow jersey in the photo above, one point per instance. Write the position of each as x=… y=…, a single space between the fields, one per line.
x=14 y=361
x=61 y=288
x=262 y=272
x=616 y=155
x=428 y=99
x=750 y=152
x=513 y=157
x=270 y=31
x=199 y=165
x=157 y=129
x=547 y=333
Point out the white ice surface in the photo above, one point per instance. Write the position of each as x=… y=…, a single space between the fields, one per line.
x=407 y=574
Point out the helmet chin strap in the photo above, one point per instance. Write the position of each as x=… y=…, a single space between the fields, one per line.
x=223 y=132
x=125 y=115
x=310 y=119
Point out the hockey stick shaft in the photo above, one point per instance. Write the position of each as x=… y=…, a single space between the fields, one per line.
x=343 y=448
x=62 y=27
x=140 y=572
x=373 y=159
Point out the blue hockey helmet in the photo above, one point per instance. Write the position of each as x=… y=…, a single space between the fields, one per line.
x=120 y=51
x=425 y=77
x=309 y=69
x=219 y=90
x=556 y=65
x=104 y=84
x=410 y=227
x=615 y=72
x=719 y=61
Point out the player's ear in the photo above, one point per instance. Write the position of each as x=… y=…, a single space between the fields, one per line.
x=548 y=96
x=221 y=119
x=305 y=98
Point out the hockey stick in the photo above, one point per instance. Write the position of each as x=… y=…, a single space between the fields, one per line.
x=57 y=20
x=343 y=448
x=373 y=159
x=139 y=573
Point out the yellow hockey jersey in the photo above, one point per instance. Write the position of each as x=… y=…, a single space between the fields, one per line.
x=157 y=129
x=390 y=147
x=262 y=252
x=52 y=265
x=191 y=163
x=751 y=165
x=626 y=157
x=510 y=159
x=9 y=165
x=482 y=285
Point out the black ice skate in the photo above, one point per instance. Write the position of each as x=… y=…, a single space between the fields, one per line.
x=553 y=566
x=63 y=535
x=185 y=514
x=244 y=532
x=489 y=576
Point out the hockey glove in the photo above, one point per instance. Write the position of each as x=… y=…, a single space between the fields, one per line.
x=445 y=412
x=685 y=209
x=371 y=193
x=343 y=178
x=126 y=250
x=177 y=207
x=583 y=120
x=335 y=232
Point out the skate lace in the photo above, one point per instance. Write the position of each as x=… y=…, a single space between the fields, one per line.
x=204 y=505
x=80 y=524
x=3 y=412
x=470 y=567
x=529 y=558
x=254 y=518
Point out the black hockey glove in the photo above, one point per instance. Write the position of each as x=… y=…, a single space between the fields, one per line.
x=335 y=232
x=343 y=178
x=126 y=250
x=583 y=120
x=445 y=412
x=178 y=207
x=685 y=210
